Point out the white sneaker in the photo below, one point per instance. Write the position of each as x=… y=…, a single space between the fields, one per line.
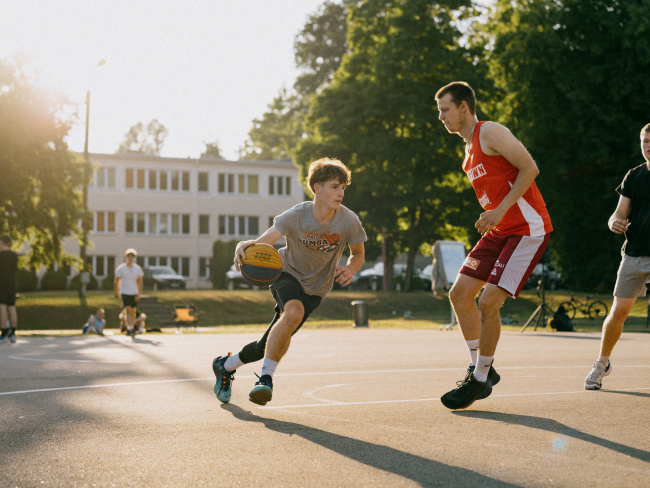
x=594 y=380
x=141 y=330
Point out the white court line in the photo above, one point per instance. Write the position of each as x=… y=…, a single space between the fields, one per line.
x=436 y=399
x=69 y=360
x=212 y=378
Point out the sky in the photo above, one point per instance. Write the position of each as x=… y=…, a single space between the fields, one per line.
x=204 y=69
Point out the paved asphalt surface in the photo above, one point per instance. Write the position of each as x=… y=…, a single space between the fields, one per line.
x=354 y=407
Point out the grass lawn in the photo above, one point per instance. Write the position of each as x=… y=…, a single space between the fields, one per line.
x=254 y=309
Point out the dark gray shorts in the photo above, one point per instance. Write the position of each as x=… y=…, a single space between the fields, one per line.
x=632 y=276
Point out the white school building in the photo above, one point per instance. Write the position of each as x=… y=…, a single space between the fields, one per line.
x=172 y=210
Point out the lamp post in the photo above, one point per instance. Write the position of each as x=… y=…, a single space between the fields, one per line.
x=85 y=275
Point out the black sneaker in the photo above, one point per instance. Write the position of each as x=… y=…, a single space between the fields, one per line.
x=4 y=337
x=263 y=391
x=222 y=388
x=493 y=376
x=468 y=391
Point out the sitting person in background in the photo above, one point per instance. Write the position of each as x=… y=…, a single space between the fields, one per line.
x=96 y=323
x=139 y=322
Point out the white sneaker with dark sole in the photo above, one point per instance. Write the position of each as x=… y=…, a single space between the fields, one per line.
x=594 y=381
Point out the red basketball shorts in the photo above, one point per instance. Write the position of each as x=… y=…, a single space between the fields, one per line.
x=506 y=261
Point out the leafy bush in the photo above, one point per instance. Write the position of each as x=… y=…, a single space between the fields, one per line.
x=26 y=280
x=54 y=280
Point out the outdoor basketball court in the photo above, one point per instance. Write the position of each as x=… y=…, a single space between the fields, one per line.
x=351 y=407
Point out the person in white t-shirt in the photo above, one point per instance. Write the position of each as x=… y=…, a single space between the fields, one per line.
x=128 y=286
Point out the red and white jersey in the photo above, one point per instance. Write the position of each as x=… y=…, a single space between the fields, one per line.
x=492 y=178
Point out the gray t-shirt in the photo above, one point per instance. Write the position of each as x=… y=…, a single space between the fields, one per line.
x=313 y=251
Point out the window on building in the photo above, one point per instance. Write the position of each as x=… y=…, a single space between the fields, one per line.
x=253 y=226
x=102 y=222
x=110 y=264
x=271 y=185
x=104 y=177
x=162 y=261
x=163 y=180
x=186 y=181
x=140 y=174
x=163 y=224
x=287 y=185
x=271 y=222
x=222 y=183
x=129 y=177
x=175 y=182
x=129 y=223
x=175 y=224
x=140 y=223
x=186 y=224
x=185 y=267
x=173 y=262
x=140 y=261
x=253 y=184
x=152 y=179
x=231 y=183
x=241 y=226
x=153 y=224
x=204 y=225
x=222 y=225
x=204 y=268
x=279 y=185
x=100 y=266
x=231 y=225
x=241 y=184
x=279 y=188
x=100 y=178
x=203 y=181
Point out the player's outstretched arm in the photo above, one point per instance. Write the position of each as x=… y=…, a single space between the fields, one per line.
x=618 y=222
x=271 y=236
x=357 y=257
x=497 y=140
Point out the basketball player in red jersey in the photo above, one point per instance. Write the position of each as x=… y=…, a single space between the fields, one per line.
x=514 y=226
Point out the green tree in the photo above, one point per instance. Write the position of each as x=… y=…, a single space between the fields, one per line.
x=145 y=140
x=379 y=115
x=572 y=76
x=212 y=150
x=40 y=178
x=319 y=48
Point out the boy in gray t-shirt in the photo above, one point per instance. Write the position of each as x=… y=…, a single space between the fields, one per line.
x=316 y=234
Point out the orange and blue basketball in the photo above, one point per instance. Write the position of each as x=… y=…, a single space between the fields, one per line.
x=262 y=264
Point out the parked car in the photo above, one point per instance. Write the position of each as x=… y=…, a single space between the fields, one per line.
x=162 y=277
x=553 y=279
x=425 y=276
x=371 y=278
x=235 y=281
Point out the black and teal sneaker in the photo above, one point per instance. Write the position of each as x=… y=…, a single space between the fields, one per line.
x=467 y=392
x=263 y=390
x=222 y=387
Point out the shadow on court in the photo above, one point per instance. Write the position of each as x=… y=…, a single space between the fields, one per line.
x=633 y=393
x=556 y=427
x=424 y=471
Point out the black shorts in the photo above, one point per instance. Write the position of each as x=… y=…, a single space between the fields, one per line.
x=286 y=288
x=129 y=301
x=7 y=298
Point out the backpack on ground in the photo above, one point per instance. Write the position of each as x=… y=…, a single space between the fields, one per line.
x=561 y=321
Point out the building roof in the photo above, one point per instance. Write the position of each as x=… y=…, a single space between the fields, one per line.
x=282 y=163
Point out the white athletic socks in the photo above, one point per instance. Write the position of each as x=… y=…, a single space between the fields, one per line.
x=604 y=360
x=483 y=367
x=473 y=350
x=268 y=367
x=232 y=363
